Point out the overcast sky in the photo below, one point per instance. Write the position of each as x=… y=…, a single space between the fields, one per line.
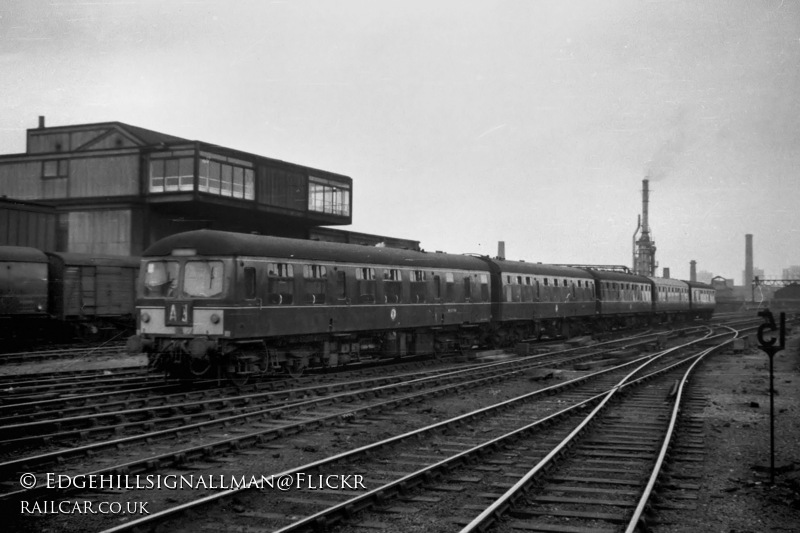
x=462 y=123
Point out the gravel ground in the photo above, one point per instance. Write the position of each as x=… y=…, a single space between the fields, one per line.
x=735 y=494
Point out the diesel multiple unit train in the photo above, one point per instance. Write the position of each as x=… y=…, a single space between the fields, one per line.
x=215 y=304
x=57 y=296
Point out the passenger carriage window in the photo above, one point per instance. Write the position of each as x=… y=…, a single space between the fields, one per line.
x=160 y=279
x=484 y=287
x=366 y=284
x=280 y=283
x=467 y=288
x=316 y=283
x=249 y=283
x=449 y=287
x=203 y=279
x=392 y=286
x=437 y=286
x=341 y=285
x=527 y=290
x=419 y=289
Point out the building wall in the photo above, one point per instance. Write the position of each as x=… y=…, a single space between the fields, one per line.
x=84 y=177
x=104 y=176
x=22 y=225
x=101 y=231
x=21 y=180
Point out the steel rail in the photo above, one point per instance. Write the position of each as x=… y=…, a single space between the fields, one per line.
x=364 y=449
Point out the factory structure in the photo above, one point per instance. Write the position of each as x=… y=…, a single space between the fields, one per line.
x=644 y=248
x=754 y=290
x=113 y=188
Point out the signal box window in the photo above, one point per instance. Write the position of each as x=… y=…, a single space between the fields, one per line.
x=281 y=283
x=316 y=282
x=55 y=168
x=392 y=286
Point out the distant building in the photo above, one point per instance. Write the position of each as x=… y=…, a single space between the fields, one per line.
x=793 y=272
x=704 y=276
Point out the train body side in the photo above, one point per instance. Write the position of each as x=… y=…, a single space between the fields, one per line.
x=221 y=291
x=532 y=291
x=91 y=286
x=702 y=299
x=620 y=294
x=23 y=282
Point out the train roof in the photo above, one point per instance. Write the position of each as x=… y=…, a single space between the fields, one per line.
x=611 y=275
x=222 y=243
x=22 y=254
x=93 y=260
x=699 y=285
x=522 y=267
x=668 y=282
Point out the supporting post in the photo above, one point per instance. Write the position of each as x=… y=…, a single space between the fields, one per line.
x=770 y=348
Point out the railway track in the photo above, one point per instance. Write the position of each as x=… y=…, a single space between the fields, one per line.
x=164 y=416
x=222 y=441
x=418 y=467
x=68 y=352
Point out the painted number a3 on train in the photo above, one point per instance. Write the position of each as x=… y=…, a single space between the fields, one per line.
x=178 y=314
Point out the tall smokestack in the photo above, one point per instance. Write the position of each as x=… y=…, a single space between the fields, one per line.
x=41 y=121
x=644 y=255
x=666 y=272
x=501 y=249
x=748 y=260
x=645 y=206
x=692 y=270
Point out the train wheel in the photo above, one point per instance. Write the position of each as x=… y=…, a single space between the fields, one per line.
x=294 y=370
x=199 y=367
x=240 y=380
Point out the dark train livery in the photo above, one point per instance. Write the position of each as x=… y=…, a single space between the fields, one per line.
x=213 y=303
x=54 y=296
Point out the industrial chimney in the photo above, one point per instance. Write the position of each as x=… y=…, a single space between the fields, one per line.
x=644 y=255
x=692 y=270
x=501 y=249
x=748 y=260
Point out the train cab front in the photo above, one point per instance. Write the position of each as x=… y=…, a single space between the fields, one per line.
x=180 y=311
